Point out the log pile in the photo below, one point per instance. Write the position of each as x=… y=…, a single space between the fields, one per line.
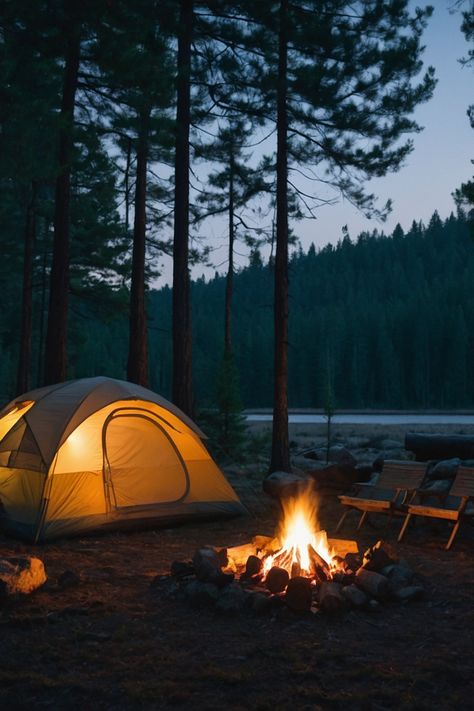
x=232 y=581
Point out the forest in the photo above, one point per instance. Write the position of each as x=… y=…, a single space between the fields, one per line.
x=386 y=321
x=127 y=129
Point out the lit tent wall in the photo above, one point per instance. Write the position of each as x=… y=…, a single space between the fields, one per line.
x=98 y=452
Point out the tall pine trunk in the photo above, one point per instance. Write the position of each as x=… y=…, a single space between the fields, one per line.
x=137 y=365
x=182 y=337
x=229 y=284
x=56 y=335
x=24 y=356
x=280 y=457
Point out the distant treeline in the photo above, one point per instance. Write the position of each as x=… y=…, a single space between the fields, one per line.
x=385 y=321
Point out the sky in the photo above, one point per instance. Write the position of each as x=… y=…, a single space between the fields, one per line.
x=439 y=163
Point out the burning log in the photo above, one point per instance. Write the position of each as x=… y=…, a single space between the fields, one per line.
x=317 y=560
x=331 y=598
x=372 y=583
x=379 y=556
x=277 y=579
x=295 y=570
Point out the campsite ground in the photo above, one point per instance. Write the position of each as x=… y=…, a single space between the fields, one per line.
x=112 y=641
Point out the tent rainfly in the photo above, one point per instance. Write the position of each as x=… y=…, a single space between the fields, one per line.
x=100 y=453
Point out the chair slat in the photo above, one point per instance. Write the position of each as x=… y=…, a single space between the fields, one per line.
x=401 y=475
x=463 y=484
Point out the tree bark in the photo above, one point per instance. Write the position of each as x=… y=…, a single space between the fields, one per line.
x=182 y=334
x=137 y=364
x=24 y=356
x=229 y=284
x=56 y=335
x=127 y=182
x=280 y=457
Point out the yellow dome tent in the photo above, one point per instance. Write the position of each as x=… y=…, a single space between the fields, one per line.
x=102 y=453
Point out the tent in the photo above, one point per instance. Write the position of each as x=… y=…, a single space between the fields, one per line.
x=101 y=453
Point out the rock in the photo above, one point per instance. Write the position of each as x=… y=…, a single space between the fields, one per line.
x=283 y=484
x=318 y=454
x=379 y=556
x=399 y=575
x=355 y=442
x=69 y=579
x=364 y=472
x=201 y=594
x=207 y=567
x=333 y=478
x=330 y=598
x=298 y=594
x=181 y=569
x=445 y=469
x=354 y=595
x=340 y=455
x=411 y=592
x=253 y=566
x=374 y=584
x=21 y=575
x=232 y=600
x=377 y=464
x=391 y=444
x=277 y=579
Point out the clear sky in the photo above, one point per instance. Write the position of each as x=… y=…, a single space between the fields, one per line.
x=440 y=161
x=441 y=157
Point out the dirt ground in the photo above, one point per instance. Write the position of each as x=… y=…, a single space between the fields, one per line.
x=113 y=641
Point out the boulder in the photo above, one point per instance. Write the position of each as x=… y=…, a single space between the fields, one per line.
x=333 y=478
x=410 y=592
x=364 y=472
x=399 y=575
x=445 y=469
x=354 y=595
x=21 y=575
x=283 y=484
x=339 y=454
x=207 y=567
x=374 y=584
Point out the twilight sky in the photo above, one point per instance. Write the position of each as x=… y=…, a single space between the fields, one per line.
x=440 y=161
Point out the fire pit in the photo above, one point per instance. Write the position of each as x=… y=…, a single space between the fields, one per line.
x=300 y=569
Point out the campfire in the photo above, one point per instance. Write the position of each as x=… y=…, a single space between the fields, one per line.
x=300 y=569
x=304 y=549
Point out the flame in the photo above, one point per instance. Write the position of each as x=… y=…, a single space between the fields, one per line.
x=299 y=531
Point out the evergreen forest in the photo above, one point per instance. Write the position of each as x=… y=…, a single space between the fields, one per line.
x=388 y=320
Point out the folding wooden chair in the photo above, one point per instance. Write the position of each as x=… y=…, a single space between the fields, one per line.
x=398 y=481
x=462 y=487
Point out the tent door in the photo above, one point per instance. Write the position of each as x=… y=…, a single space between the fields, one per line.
x=142 y=466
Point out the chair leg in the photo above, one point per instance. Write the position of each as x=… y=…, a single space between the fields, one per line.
x=341 y=520
x=453 y=534
x=362 y=519
x=404 y=527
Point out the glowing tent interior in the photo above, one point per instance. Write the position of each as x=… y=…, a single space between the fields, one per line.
x=99 y=453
